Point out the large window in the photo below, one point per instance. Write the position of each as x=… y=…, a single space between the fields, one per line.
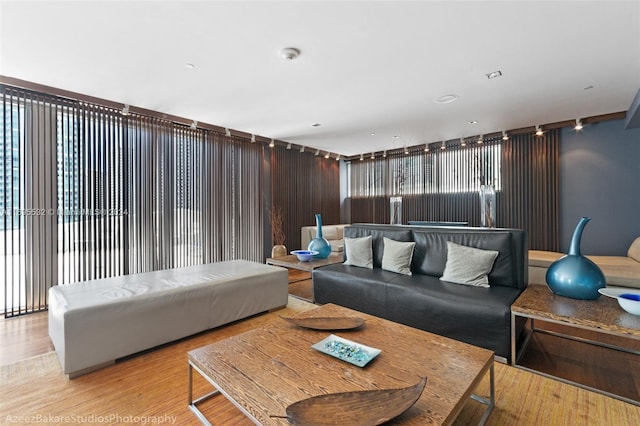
x=450 y=171
x=87 y=192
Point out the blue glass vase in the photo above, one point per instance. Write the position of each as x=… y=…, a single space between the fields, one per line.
x=574 y=275
x=319 y=243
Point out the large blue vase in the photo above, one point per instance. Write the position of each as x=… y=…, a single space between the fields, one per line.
x=574 y=275
x=319 y=243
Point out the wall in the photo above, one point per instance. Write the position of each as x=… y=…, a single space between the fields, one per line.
x=600 y=178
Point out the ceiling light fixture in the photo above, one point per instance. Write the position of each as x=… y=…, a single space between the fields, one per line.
x=326 y=155
x=462 y=142
x=338 y=157
x=302 y=149
x=406 y=151
x=361 y=157
x=444 y=145
x=373 y=156
x=539 y=131
x=316 y=125
x=317 y=152
x=426 y=147
x=578 y=125
x=494 y=74
x=373 y=133
x=125 y=110
x=272 y=143
x=446 y=99
x=289 y=53
x=190 y=66
x=194 y=125
x=384 y=153
x=480 y=140
x=253 y=138
x=505 y=137
x=289 y=145
x=227 y=132
x=472 y=122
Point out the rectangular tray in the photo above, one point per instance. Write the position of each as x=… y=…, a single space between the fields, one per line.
x=352 y=352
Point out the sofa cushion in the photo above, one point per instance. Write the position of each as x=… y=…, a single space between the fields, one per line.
x=634 y=250
x=396 y=256
x=358 y=252
x=377 y=235
x=468 y=265
x=330 y=232
x=430 y=254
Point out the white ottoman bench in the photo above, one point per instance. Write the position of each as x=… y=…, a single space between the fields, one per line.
x=92 y=323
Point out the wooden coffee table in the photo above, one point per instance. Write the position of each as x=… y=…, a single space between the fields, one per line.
x=266 y=369
x=291 y=261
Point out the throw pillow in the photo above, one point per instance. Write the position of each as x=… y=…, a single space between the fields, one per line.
x=468 y=265
x=359 y=252
x=330 y=232
x=396 y=256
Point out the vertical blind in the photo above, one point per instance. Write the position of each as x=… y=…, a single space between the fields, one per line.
x=443 y=185
x=88 y=193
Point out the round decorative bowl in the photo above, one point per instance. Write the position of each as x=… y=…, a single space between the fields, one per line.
x=304 y=255
x=630 y=302
x=628 y=298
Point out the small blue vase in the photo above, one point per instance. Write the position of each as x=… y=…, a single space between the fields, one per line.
x=319 y=243
x=574 y=275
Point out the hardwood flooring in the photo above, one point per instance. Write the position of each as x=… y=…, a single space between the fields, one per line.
x=26 y=336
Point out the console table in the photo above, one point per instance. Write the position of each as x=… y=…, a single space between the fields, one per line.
x=602 y=317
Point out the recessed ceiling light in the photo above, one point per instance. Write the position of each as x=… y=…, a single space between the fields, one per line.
x=494 y=74
x=316 y=125
x=588 y=87
x=445 y=99
x=190 y=66
x=472 y=122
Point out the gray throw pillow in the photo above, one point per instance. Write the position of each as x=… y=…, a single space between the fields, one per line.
x=359 y=252
x=397 y=255
x=468 y=265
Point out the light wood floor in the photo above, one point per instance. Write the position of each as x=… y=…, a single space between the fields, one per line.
x=27 y=336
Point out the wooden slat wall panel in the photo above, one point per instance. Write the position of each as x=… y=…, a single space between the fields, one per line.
x=303 y=184
x=530 y=196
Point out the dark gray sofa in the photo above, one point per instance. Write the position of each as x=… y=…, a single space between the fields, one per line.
x=475 y=315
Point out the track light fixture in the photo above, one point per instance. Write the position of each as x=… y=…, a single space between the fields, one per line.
x=373 y=156
x=317 y=152
x=406 y=151
x=361 y=157
x=480 y=140
x=384 y=153
x=505 y=137
x=253 y=138
x=462 y=142
x=338 y=157
x=302 y=149
x=326 y=155
x=227 y=132
x=444 y=145
x=426 y=147
x=289 y=145
x=194 y=125
x=125 y=110
x=539 y=131
x=578 y=125
x=272 y=143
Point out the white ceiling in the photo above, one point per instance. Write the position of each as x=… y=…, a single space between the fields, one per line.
x=366 y=66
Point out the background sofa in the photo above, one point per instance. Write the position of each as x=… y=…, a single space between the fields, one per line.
x=333 y=234
x=618 y=270
x=475 y=315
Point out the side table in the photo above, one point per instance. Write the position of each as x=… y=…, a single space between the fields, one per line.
x=291 y=261
x=602 y=317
